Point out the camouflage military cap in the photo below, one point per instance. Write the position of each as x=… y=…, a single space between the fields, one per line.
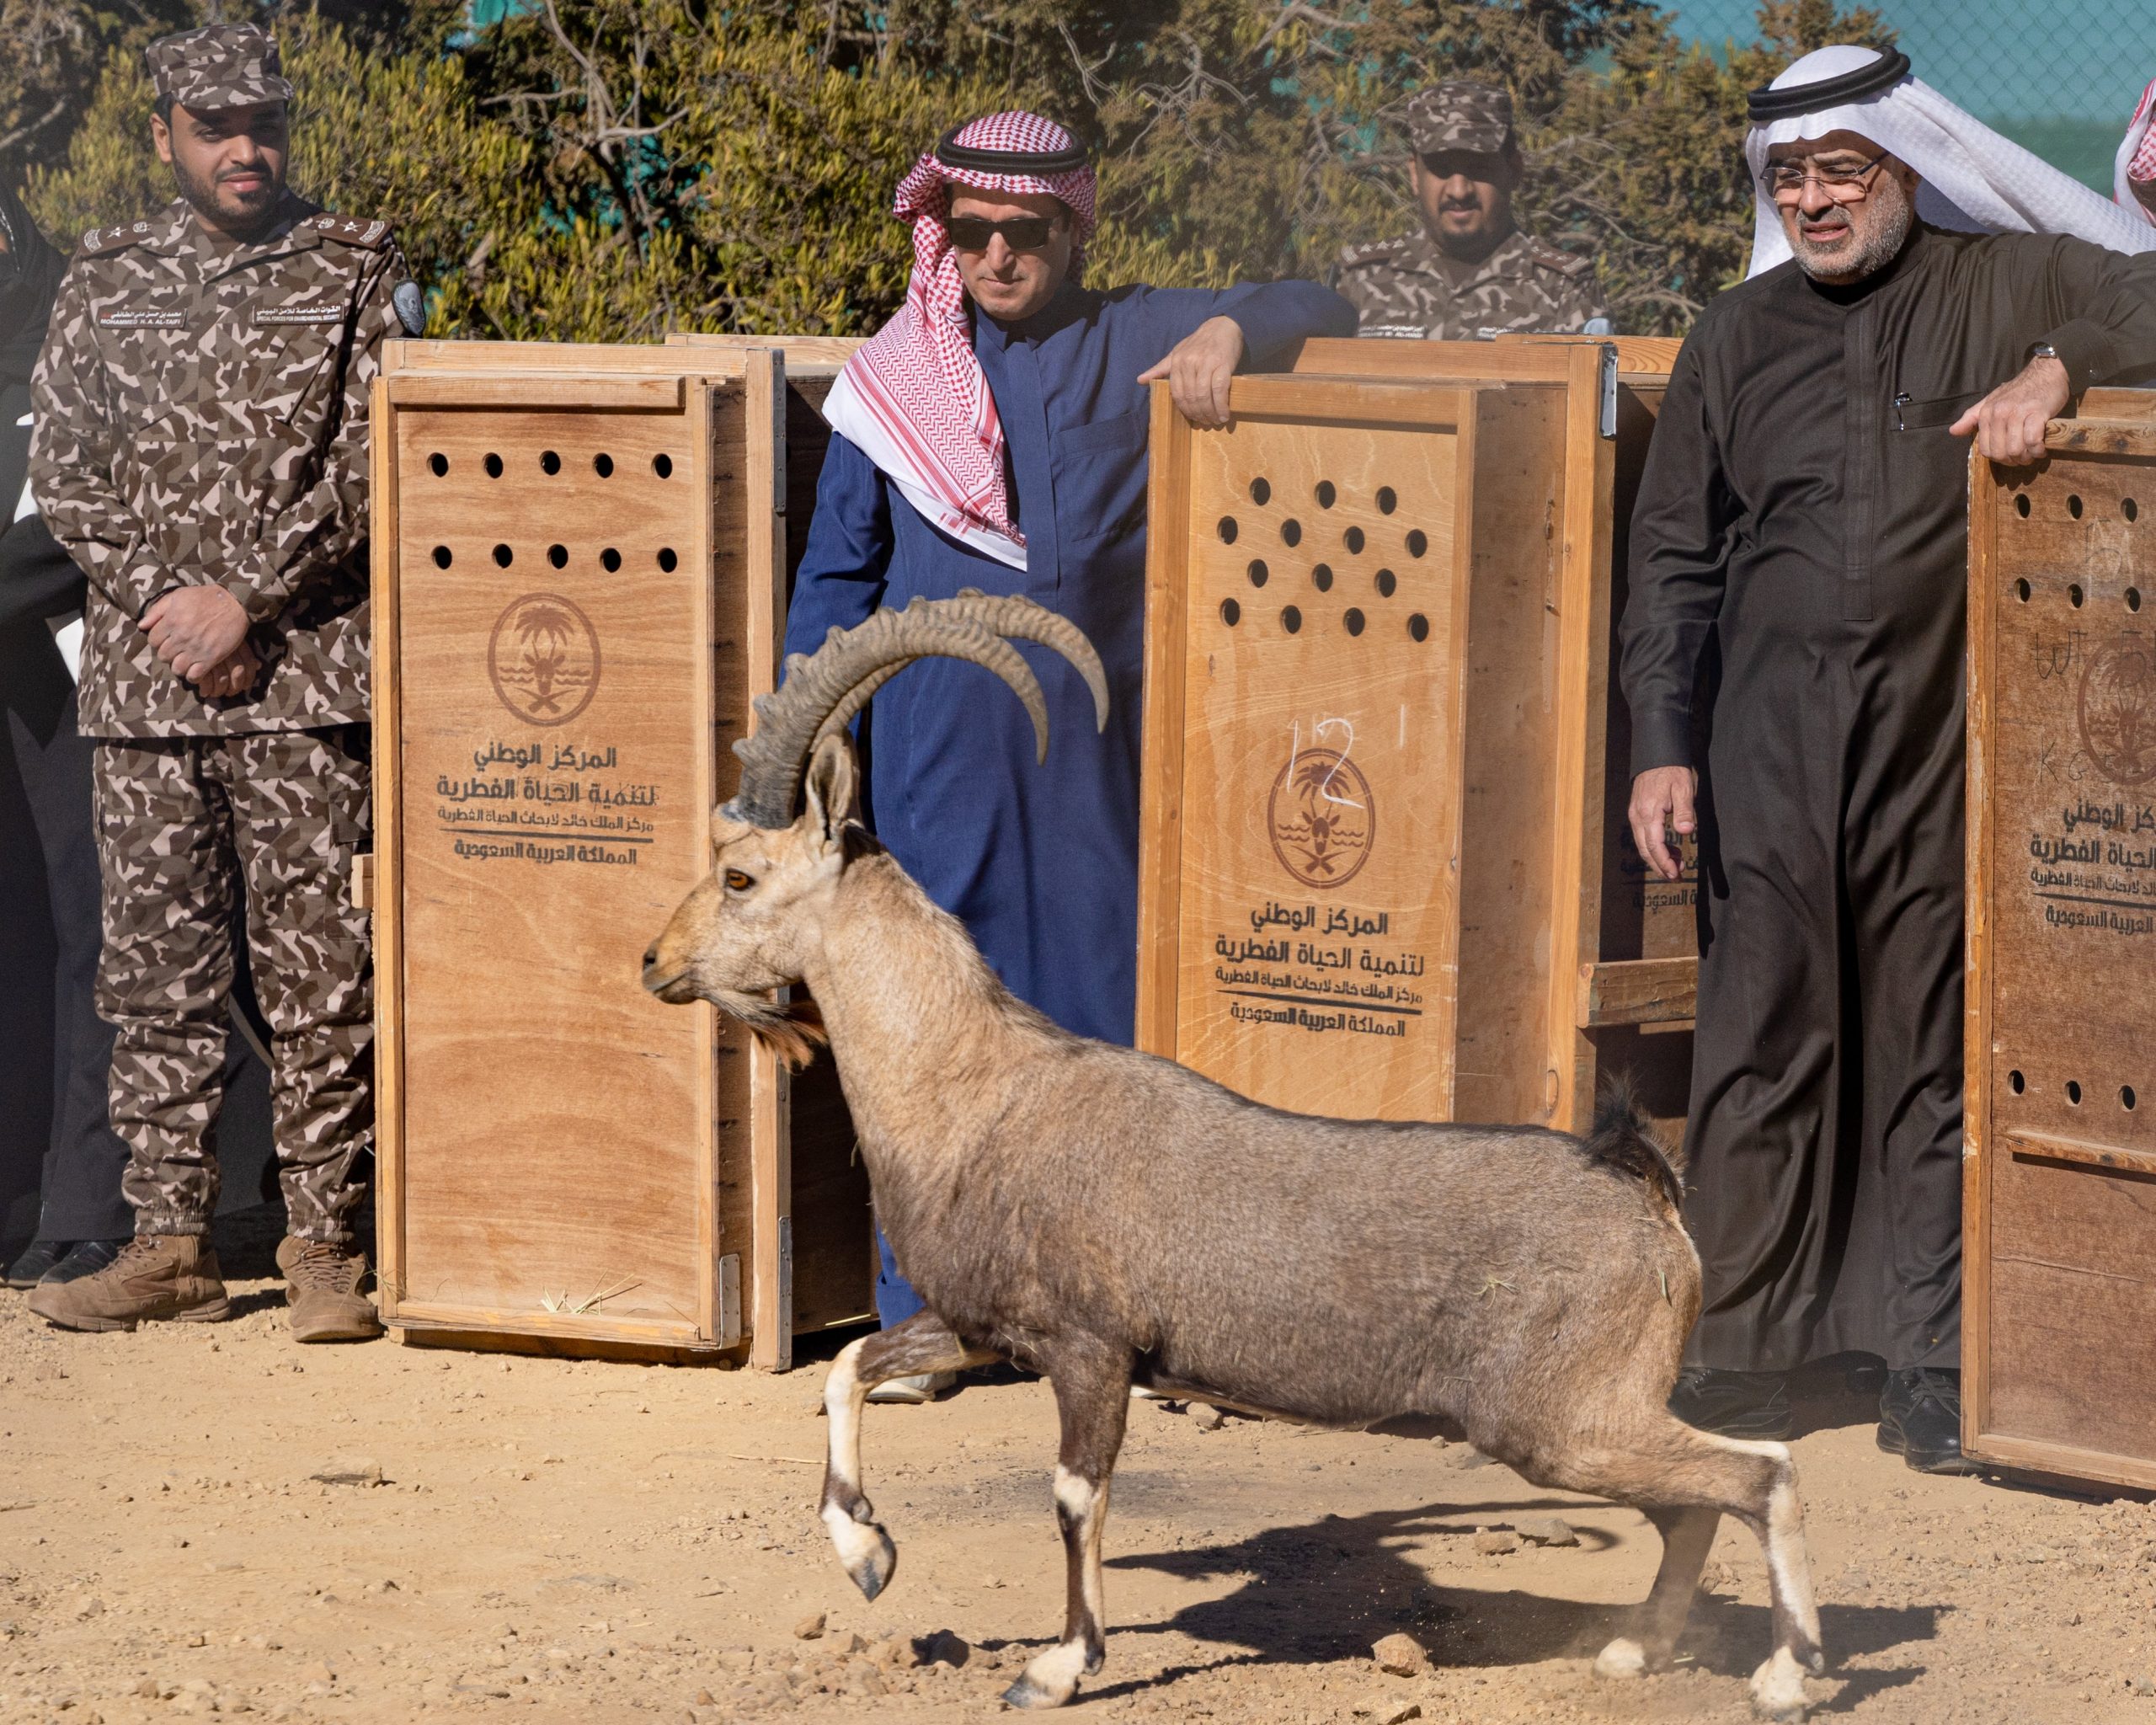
x=219 y=66
x=1460 y=116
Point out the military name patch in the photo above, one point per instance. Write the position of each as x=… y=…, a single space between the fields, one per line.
x=124 y=317
x=267 y=316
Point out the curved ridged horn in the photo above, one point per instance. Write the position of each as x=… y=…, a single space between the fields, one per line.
x=816 y=684
x=1019 y=618
x=1022 y=620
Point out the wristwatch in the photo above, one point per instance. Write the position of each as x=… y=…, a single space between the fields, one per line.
x=2045 y=350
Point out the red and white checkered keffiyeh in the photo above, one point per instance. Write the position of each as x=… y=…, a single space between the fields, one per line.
x=913 y=398
x=2136 y=166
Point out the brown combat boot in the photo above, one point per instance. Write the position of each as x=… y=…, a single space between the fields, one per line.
x=322 y=1286
x=157 y=1277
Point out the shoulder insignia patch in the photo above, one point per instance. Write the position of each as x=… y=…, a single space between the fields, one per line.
x=100 y=240
x=351 y=230
x=1564 y=263
x=1372 y=251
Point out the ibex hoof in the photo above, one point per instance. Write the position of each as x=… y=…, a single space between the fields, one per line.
x=1622 y=1657
x=1778 y=1689
x=865 y=1551
x=872 y=1572
x=1052 y=1678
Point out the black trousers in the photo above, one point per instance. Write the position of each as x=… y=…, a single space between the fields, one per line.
x=1824 y=1193
x=50 y=910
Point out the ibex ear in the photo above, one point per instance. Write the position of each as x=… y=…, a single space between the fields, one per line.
x=832 y=782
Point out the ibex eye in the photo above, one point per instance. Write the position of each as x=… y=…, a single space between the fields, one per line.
x=736 y=881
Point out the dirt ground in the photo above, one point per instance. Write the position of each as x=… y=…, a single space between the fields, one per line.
x=563 y=1541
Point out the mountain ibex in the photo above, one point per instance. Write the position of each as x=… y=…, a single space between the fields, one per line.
x=1106 y=1217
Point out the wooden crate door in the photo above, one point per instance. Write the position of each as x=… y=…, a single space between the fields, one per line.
x=1318 y=915
x=555 y=739
x=2066 y=953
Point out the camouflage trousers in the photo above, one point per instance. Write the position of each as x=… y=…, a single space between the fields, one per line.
x=179 y=818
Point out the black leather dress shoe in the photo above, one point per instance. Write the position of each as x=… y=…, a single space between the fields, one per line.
x=37 y=1258
x=1920 y=1420
x=1736 y=1404
x=85 y=1258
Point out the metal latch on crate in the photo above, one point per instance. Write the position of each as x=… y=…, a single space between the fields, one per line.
x=778 y=432
x=1606 y=375
x=729 y=1300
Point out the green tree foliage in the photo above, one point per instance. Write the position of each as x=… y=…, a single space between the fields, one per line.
x=612 y=169
x=52 y=55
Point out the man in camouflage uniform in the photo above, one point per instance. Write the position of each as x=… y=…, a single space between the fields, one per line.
x=200 y=449
x=1470 y=274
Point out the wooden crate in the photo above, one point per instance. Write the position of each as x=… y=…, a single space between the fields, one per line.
x=2059 y=1223
x=580 y=563
x=1381 y=866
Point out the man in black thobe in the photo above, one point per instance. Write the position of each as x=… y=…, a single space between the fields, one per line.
x=1801 y=535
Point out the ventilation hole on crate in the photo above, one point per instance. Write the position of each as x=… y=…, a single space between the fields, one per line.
x=667 y=560
x=550 y=463
x=438 y=465
x=2021 y=591
x=610 y=559
x=1258 y=572
x=2133 y=599
x=1230 y=612
x=2016 y=1082
x=442 y=558
x=2074 y=507
x=1259 y=491
x=1325 y=494
x=1388 y=499
x=1354 y=539
x=1353 y=621
x=2074 y=595
x=603 y=465
x=1388 y=584
x=1291 y=533
x=662 y=465
x=1418 y=542
x=1291 y=619
x=493 y=465
x=2126 y=1098
x=1321 y=575
x=503 y=556
x=2073 y=1091
x=558 y=555
x=2021 y=505
x=1418 y=626
x=2129 y=508
x=1227 y=530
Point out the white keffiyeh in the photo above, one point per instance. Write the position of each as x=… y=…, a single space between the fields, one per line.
x=1973 y=179
x=2135 y=164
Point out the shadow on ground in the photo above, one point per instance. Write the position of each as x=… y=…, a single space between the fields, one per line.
x=1326 y=1590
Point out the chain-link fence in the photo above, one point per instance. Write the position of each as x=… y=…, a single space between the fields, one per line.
x=2061 y=78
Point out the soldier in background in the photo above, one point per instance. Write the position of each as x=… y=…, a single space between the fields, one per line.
x=200 y=450
x=1470 y=274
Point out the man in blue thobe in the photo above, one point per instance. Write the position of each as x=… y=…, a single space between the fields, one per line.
x=993 y=436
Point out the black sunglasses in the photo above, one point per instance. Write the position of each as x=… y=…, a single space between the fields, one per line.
x=1021 y=234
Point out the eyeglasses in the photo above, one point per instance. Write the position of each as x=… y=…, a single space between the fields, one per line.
x=1021 y=234
x=1784 y=181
